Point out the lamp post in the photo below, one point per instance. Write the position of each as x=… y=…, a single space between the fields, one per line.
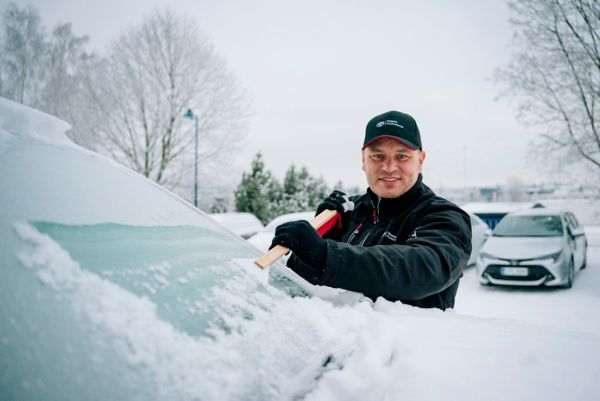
x=190 y=114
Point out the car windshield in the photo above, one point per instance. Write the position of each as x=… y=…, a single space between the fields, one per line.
x=529 y=226
x=176 y=268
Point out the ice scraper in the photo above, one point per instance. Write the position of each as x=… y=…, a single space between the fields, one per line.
x=322 y=223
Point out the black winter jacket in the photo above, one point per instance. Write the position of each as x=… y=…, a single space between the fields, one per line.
x=412 y=248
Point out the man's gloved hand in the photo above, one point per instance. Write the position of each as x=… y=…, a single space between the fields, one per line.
x=305 y=242
x=336 y=201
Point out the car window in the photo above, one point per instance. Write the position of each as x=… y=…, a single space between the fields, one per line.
x=175 y=267
x=529 y=226
x=118 y=307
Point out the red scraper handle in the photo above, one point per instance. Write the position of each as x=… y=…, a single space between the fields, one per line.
x=279 y=250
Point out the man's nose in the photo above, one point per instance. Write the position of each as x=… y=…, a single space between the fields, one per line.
x=389 y=165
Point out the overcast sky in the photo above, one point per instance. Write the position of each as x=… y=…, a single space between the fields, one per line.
x=317 y=71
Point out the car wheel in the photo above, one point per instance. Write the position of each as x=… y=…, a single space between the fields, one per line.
x=584 y=264
x=571 y=275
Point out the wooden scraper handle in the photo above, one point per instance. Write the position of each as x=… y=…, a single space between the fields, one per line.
x=279 y=250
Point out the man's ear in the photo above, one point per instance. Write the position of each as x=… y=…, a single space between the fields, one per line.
x=422 y=156
x=362 y=153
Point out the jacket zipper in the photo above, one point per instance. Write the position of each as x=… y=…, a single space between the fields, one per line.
x=358 y=229
x=375 y=221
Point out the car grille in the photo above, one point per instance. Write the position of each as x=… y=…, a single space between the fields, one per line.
x=535 y=273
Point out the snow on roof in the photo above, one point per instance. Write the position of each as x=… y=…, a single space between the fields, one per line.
x=241 y=223
x=46 y=177
x=587 y=211
x=17 y=119
x=284 y=218
x=543 y=211
x=498 y=207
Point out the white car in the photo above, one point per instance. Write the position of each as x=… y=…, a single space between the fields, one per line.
x=534 y=247
x=243 y=224
x=480 y=232
x=262 y=240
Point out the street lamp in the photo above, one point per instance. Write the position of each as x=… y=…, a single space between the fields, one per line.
x=190 y=114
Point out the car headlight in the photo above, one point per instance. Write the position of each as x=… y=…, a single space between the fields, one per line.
x=554 y=256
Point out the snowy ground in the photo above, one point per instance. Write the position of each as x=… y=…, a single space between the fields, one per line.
x=576 y=309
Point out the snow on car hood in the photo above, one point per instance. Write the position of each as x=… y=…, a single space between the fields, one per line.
x=522 y=247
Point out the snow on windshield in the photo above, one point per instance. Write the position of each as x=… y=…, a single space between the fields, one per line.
x=309 y=348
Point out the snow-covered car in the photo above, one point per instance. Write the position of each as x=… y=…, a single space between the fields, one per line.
x=243 y=224
x=480 y=232
x=535 y=247
x=112 y=288
x=262 y=240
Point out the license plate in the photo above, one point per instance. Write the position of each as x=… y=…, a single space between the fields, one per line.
x=514 y=271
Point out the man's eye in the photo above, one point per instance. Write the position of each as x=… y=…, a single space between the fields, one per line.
x=377 y=157
x=402 y=157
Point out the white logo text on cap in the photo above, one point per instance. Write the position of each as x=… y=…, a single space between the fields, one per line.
x=389 y=122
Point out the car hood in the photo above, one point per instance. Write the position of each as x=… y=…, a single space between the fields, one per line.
x=521 y=247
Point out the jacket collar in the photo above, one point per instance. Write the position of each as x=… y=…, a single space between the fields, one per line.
x=384 y=208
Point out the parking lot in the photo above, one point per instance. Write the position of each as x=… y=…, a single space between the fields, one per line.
x=576 y=309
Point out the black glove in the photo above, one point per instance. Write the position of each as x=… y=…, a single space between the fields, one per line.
x=336 y=201
x=304 y=241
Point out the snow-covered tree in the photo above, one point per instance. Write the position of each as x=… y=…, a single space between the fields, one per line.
x=22 y=49
x=66 y=61
x=555 y=76
x=301 y=191
x=152 y=74
x=44 y=71
x=259 y=192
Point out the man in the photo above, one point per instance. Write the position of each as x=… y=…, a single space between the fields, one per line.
x=399 y=241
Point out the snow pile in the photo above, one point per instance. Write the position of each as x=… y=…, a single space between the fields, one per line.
x=296 y=348
x=22 y=120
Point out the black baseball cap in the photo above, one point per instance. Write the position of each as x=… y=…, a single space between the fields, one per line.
x=394 y=125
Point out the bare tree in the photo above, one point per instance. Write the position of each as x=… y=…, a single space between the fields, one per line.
x=65 y=59
x=555 y=74
x=22 y=48
x=47 y=72
x=152 y=74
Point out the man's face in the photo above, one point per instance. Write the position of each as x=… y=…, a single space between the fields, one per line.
x=391 y=168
